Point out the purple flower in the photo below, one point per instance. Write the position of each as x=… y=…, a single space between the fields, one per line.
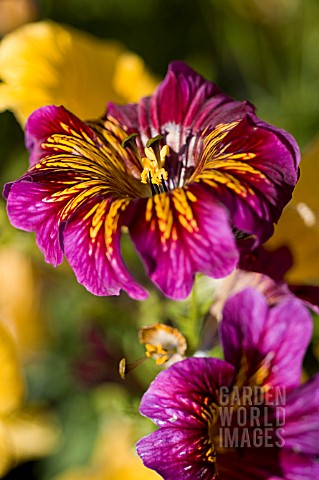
x=245 y=417
x=187 y=171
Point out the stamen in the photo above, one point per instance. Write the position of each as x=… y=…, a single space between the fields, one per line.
x=125 y=368
x=153 y=167
x=153 y=163
x=130 y=142
x=154 y=192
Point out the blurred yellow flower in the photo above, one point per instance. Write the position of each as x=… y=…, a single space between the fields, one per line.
x=25 y=432
x=14 y=13
x=115 y=457
x=45 y=63
x=298 y=227
x=19 y=302
x=12 y=386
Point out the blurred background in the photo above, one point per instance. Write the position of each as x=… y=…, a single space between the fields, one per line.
x=66 y=414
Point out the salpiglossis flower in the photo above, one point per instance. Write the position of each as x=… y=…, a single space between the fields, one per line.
x=188 y=171
x=245 y=417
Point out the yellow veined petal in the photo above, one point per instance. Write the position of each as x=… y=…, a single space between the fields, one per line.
x=298 y=227
x=11 y=380
x=45 y=63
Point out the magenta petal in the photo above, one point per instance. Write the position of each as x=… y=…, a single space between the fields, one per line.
x=178 y=454
x=176 y=398
x=52 y=120
x=173 y=260
x=266 y=178
x=126 y=115
x=301 y=429
x=175 y=453
x=279 y=334
x=244 y=317
x=135 y=118
x=97 y=265
x=186 y=98
x=179 y=97
x=290 y=168
x=221 y=109
x=287 y=334
x=27 y=210
x=298 y=467
x=184 y=104
x=177 y=401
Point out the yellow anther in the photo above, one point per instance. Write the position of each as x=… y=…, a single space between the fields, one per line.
x=150 y=154
x=152 y=166
x=144 y=175
x=163 y=154
x=162 y=173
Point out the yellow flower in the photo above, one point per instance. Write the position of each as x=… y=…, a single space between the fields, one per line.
x=45 y=63
x=19 y=302
x=25 y=432
x=14 y=13
x=299 y=225
x=114 y=458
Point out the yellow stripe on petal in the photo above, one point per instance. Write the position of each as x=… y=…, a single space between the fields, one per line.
x=219 y=167
x=171 y=212
x=97 y=220
x=181 y=204
x=111 y=222
x=104 y=162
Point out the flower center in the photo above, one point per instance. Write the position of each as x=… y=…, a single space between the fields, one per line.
x=215 y=427
x=153 y=172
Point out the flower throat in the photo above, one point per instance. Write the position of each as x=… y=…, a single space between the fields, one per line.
x=153 y=163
